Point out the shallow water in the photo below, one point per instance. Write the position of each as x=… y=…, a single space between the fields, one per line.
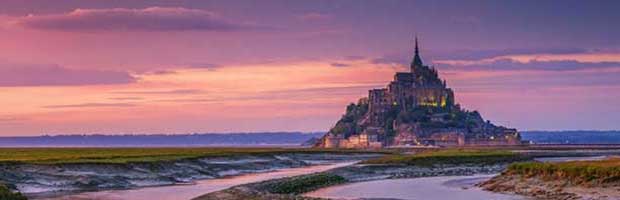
x=568 y=159
x=430 y=188
x=189 y=191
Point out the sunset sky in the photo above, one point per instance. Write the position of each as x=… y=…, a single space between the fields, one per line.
x=133 y=67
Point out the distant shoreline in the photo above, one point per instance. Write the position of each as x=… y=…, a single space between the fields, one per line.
x=269 y=139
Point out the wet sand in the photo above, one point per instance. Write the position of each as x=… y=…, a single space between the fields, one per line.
x=189 y=191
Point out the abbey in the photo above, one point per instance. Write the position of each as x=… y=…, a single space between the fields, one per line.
x=420 y=87
x=416 y=108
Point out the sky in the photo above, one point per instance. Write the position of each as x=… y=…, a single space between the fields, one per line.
x=151 y=66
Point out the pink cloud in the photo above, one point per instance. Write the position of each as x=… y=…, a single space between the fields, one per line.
x=126 y=98
x=172 y=92
x=161 y=72
x=123 y=19
x=53 y=75
x=90 y=105
x=11 y=120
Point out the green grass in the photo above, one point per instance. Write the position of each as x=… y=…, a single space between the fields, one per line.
x=134 y=155
x=6 y=194
x=451 y=156
x=303 y=184
x=577 y=172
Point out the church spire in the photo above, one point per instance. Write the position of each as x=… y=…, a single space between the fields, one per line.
x=416 y=46
x=417 y=61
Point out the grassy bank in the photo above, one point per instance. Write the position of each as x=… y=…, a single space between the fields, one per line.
x=6 y=194
x=576 y=172
x=451 y=156
x=288 y=188
x=129 y=155
x=302 y=184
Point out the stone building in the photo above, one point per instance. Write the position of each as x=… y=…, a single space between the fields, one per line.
x=415 y=108
x=419 y=87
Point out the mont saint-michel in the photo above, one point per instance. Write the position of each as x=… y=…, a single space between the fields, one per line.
x=309 y=100
x=416 y=108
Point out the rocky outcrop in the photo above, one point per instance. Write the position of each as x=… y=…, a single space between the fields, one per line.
x=416 y=108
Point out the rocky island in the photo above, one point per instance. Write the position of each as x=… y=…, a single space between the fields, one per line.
x=416 y=108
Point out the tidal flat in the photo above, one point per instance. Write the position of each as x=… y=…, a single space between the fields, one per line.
x=431 y=167
x=142 y=155
x=44 y=172
x=432 y=163
x=121 y=172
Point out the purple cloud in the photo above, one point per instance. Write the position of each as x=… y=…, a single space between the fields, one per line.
x=491 y=53
x=210 y=66
x=508 y=64
x=339 y=65
x=391 y=60
x=314 y=16
x=354 y=57
x=469 y=20
x=543 y=80
x=123 y=19
x=53 y=75
x=404 y=58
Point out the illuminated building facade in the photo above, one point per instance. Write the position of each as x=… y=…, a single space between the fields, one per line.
x=420 y=87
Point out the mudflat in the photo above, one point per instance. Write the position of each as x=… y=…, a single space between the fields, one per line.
x=596 y=180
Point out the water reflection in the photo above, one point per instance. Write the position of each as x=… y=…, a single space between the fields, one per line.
x=568 y=159
x=431 y=188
